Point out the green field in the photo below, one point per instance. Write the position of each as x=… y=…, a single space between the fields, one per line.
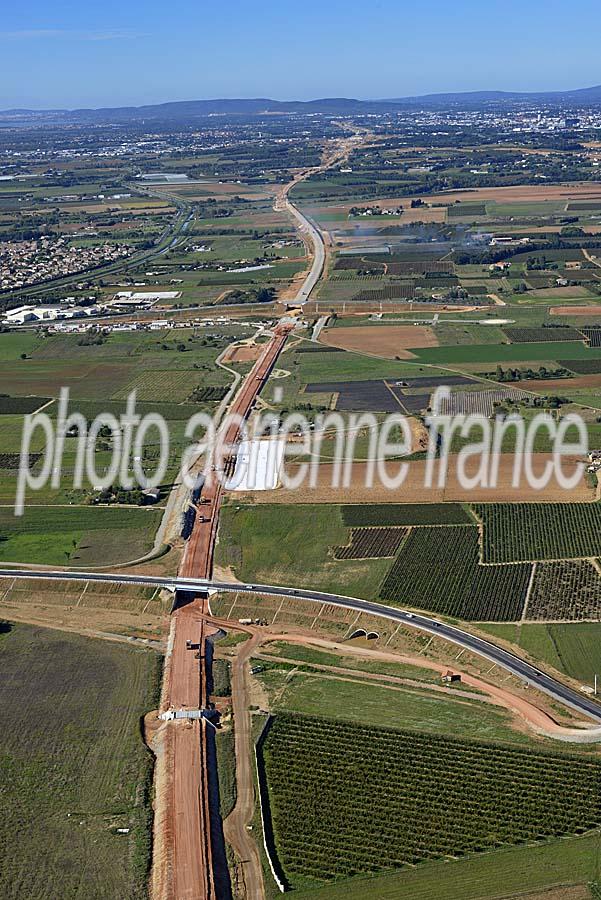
x=574 y=648
x=351 y=699
x=533 y=531
x=71 y=751
x=418 y=797
x=506 y=353
x=499 y=875
x=77 y=536
x=280 y=544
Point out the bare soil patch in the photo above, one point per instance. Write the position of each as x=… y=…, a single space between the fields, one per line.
x=242 y=353
x=523 y=193
x=593 y=310
x=414 y=490
x=419 y=435
x=387 y=341
x=561 y=385
x=560 y=293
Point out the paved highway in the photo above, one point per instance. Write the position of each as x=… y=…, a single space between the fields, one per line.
x=306 y=225
x=503 y=658
x=319 y=251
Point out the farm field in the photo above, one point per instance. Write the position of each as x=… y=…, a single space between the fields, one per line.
x=556 y=870
x=508 y=353
x=575 y=646
x=570 y=589
x=529 y=335
x=583 y=366
x=371 y=543
x=437 y=569
x=593 y=309
x=477 y=403
x=406 y=514
x=117 y=365
x=173 y=373
x=77 y=536
x=296 y=687
x=76 y=765
x=390 y=394
x=570 y=648
x=409 y=806
x=386 y=341
x=519 y=531
x=413 y=489
x=280 y=544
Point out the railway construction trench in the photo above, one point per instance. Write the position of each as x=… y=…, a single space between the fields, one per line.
x=199 y=867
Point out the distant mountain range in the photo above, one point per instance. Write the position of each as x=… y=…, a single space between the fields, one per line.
x=192 y=109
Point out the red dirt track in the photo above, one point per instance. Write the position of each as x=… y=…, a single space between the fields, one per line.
x=198 y=558
x=190 y=852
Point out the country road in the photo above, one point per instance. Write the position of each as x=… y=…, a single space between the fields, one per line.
x=503 y=658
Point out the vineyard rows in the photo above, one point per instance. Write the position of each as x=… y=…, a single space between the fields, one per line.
x=592 y=335
x=389 y=292
x=405 y=514
x=371 y=543
x=13 y=460
x=21 y=405
x=537 y=335
x=582 y=366
x=461 y=210
x=480 y=403
x=533 y=531
x=419 y=267
x=437 y=569
x=208 y=393
x=569 y=590
x=356 y=262
x=353 y=275
x=347 y=799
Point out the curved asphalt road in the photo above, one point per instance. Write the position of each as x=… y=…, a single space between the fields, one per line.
x=509 y=661
x=319 y=251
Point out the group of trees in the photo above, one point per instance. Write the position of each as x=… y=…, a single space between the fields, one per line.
x=509 y=375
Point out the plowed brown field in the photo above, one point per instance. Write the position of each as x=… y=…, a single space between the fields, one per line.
x=386 y=341
x=414 y=491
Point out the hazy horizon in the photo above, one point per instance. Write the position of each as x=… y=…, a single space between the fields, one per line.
x=64 y=58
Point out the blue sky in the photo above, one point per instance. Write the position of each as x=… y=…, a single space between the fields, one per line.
x=67 y=54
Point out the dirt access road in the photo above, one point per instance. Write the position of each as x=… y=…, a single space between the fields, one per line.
x=534 y=714
x=236 y=825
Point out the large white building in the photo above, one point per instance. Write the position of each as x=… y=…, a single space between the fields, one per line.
x=139 y=298
x=20 y=315
x=23 y=314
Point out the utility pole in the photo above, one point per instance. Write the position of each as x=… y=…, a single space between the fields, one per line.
x=595 y=685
